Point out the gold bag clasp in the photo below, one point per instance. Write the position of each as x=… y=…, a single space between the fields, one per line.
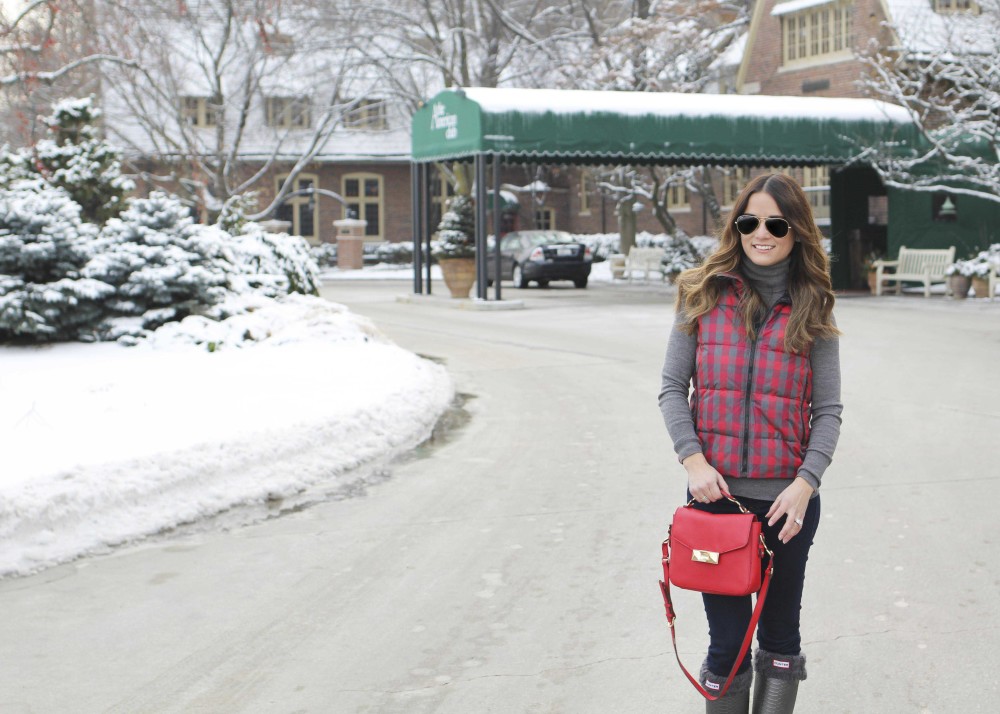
x=705 y=556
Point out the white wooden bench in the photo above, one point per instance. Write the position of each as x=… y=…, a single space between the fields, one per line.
x=921 y=265
x=645 y=261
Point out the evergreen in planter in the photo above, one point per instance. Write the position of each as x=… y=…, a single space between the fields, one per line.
x=457 y=230
x=456 y=248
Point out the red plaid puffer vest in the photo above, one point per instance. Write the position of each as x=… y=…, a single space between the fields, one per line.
x=752 y=399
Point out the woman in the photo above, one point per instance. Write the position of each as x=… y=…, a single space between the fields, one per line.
x=755 y=334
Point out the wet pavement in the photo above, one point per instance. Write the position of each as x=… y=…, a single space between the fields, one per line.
x=511 y=566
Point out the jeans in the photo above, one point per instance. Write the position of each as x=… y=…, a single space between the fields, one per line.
x=778 y=628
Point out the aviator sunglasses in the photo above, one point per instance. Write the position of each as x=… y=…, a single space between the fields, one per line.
x=747 y=224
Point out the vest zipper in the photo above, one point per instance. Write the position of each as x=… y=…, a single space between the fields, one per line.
x=745 y=466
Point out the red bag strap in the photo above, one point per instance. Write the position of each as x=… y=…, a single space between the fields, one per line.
x=672 y=616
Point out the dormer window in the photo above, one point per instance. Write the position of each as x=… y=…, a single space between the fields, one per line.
x=200 y=112
x=816 y=34
x=288 y=112
x=279 y=43
x=367 y=114
x=947 y=7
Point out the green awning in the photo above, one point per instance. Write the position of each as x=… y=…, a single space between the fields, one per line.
x=646 y=127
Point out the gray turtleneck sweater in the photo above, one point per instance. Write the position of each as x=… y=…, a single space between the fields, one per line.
x=770 y=282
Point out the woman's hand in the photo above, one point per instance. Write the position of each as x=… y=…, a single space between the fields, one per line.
x=704 y=482
x=792 y=502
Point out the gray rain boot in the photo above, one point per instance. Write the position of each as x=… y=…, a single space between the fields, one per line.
x=778 y=678
x=737 y=697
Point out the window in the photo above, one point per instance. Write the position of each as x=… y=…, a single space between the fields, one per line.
x=278 y=43
x=816 y=184
x=287 y=112
x=955 y=6
x=817 y=33
x=677 y=194
x=733 y=181
x=200 y=112
x=300 y=211
x=367 y=114
x=441 y=192
x=545 y=218
x=586 y=189
x=364 y=195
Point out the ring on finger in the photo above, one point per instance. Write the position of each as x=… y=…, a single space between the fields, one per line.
x=798 y=522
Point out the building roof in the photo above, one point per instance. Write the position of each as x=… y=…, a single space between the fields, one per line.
x=922 y=30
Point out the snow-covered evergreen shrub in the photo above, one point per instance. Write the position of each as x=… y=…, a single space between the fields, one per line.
x=395 y=253
x=456 y=232
x=233 y=216
x=324 y=254
x=76 y=160
x=163 y=264
x=43 y=247
x=275 y=263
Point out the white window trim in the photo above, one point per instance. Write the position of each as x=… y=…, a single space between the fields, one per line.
x=818 y=61
x=585 y=195
x=362 y=200
x=300 y=201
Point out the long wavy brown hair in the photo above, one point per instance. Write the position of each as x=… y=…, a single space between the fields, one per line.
x=809 y=283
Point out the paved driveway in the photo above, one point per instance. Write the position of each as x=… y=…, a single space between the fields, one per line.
x=513 y=568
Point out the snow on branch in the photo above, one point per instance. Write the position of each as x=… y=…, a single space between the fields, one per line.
x=50 y=77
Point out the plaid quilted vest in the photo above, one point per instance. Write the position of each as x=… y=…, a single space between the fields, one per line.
x=752 y=399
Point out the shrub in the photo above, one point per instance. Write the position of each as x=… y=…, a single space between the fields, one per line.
x=44 y=246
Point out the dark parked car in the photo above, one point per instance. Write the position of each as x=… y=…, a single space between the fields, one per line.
x=541 y=255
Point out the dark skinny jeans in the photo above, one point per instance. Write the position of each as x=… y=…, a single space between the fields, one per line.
x=778 y=628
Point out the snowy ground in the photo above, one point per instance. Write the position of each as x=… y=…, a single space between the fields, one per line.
x=104 y=444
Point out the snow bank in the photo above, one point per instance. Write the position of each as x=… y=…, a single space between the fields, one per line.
x=105 y=444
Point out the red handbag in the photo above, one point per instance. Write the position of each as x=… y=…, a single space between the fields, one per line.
x=720 y=554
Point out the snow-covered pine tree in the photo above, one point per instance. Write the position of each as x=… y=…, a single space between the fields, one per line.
x=275 y=264
x=164 y=265
x=76 y=160
x=456 y=232
x=43 y=247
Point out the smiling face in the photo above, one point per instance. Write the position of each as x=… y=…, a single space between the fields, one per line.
x=760 y=246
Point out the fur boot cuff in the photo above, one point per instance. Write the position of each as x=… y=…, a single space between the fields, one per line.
x=714 y=683
x=779 y=666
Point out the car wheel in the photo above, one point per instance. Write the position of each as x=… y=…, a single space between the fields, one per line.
x=517 y=275
x=580 y=282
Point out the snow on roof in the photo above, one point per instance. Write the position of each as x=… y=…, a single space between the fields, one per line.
x=796 y=5
x=921 y=29
x=667 y=104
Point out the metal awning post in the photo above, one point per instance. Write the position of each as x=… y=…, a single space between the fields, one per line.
x=418 y=287
x=481 y=252
x=497 y=214
x=425 y=220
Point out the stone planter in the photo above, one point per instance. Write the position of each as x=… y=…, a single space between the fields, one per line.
x=959 y=286
x=981 y=287
x=459 y=275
